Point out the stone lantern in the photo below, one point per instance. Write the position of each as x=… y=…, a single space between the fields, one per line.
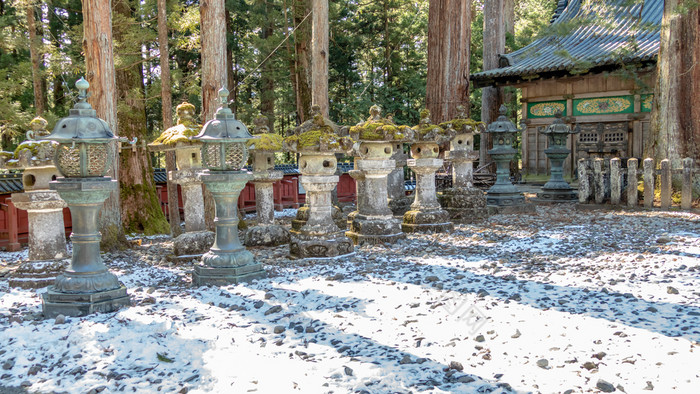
x=189 y=162
x=463 y=200
x=225 y=154
x=426 y=214
x=263 y=148
x=374 y=222
x=83 y=158
x=317 y=143
x=47 y=237
x=503 y=196
x=557 y=189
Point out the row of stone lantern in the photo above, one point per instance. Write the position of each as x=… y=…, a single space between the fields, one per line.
x=216 y=156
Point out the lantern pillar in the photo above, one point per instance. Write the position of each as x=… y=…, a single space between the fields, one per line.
x=557 y=189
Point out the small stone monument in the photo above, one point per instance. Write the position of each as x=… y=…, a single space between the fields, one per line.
x=503 y=196
x=557 y=189
x=426 y=214
x=47 y=237
x=225 y=154
x=317 y=142
x=374 y=222
x=196 y=239
x=263 y=148
x=464 y=202
x=83 y=158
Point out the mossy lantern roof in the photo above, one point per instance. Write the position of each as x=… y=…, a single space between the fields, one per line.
x=427 y=132
x=378 y=129
x=264 y=141
x=462 y=123
x=317 y=135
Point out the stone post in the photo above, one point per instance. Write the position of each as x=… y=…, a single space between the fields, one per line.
x=227 y=261
x=648 y=183
x=687 y=189
x=615 y=181
x=374 y=221
x=399 y=202
x=266 y=232
x=599 y=178
x=193 y=198
x=464 y=202
x=426 y=214
x=666 y=188
x=632 y=183
x=319 y=237
x=584 y=188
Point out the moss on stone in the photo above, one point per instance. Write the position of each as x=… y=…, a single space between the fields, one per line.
x=179 y=133
x=33 y=146
x=375 y=130
x=314 y=137
x=266 y=142
x=460 y=124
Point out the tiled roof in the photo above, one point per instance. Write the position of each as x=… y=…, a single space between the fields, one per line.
x=632 y=36
x=11 y=183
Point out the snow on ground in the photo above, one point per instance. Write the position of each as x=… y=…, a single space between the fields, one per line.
x=561 y=300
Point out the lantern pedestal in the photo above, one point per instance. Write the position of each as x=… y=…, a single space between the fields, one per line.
x=374 y=222
x=503 y=196
x=464 y=202
x=47 y=239
x=426 y=214
x=399 y=202
x=193 y=198
x=266 y=233
x=320 y=236
x=227 y=262
x=86 y=286
x=557 y=189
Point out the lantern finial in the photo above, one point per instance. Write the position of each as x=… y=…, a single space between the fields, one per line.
x=82 y=85
x=223 y=96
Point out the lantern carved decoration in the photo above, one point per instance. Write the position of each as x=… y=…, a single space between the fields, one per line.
x=464 y=202
x=317 y=142
x=557 y=189
x=224 y=154
x=82 y=157
x=374 y=222
x=426 y=214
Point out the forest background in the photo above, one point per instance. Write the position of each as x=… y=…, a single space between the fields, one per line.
x=378 y=54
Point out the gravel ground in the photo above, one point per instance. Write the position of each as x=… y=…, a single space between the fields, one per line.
x=588 y=301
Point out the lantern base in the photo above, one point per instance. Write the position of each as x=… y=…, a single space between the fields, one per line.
x=56 y=303
x=464 y=204
x=374 y=230
x=556 y=196
x=37 y=274
x=303 y=215
x=221 y=276
x=266 y=235
x=512 y=209
x=329 y=246
x=429 y=221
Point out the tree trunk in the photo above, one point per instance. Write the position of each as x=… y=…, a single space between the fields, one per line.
x=167 y=99
x=449 y=34
x=267 y=79
x=214 y=75
x=99 y=63
x=141 y=211
x=231 y=73
x=35 y=54
x=319 y=56
x=302 y=59
x=494 y=44
x=675 y=122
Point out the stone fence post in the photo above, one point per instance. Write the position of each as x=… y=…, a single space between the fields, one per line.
x=584 y=187
x=687 y=191
x=599 y=179
x=648 y=183
x=615 y=181
x=632 y=183
x=666 y=187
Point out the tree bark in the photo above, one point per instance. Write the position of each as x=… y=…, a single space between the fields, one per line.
x=35 y=55
x=302 y=59
x=494 y=44
x=319 y=56
x=267 y=79
x=214 y=75
x=167 y=99
x=675 y=122
x=99 y=63
x=141 y=211
x=449 y=34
